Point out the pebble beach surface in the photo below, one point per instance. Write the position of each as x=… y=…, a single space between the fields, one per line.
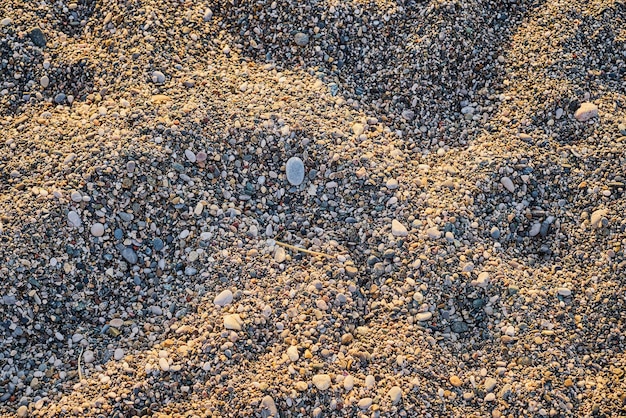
x=312 y=208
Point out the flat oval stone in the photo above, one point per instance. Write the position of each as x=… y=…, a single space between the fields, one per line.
x=97 y=229
x=74 y=218
x=295 y=171
x=224 y=298
x=301 y=39
x=129 y=255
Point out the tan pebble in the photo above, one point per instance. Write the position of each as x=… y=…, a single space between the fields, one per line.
x=455 y=381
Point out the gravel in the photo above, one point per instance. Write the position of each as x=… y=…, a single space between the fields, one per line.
x=312 y=208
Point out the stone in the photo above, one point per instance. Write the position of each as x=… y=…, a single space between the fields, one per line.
x=116 y=322
x=118 y=354
x=22 y=411
x=395 y=395
x=482 y=280
x=455 y=381
x=164 y=365
x=391 y=184
x=88 y=357
x=490 y=397
x=433 y=233
x=129 y=255
x=190 y=156
x=44 y=81
x=74 y=218
x=6 y=21
x=268 y=407
x=301 y=39
x=490 y=384
x=423 y=316
x=365 y=403
x=348 y=383
x=358 y=129
x=370 y=381
x=158 y=77
x=408 y=115
x=597 y=218
x=508 y=184
x=292 y=353
x=398 y=230
x=280 y=255
x=321 y=381
x=564 y=291
x=97 y=229
x=233 y=322
x=36 y=35
x=586 y=111
x=225 y=297
x=295 y=171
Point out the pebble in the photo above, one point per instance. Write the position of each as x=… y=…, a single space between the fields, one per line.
x=490 y=384
x=88 y=357
x=280 y=255
x=301 y=39
x=158 y=77
x=292 y=353
x=116 y=322
x=597 y=217
x=6 y=21
x=44 y=81
x=423 y=316
x=269 y=406
x=586 y=111
x=391 y=184
x=365 y=403
x=164 y=365
x=398 y=230
x=358 y=129
x=508 y=184
x=564 y=291
x=370 y=381
x=321 y=381
x=118 y=354
x=348 y=383
x=490 y=397
x=22 y=411
x=225 y=297
x=455 y=381
x=395 y=395
x=295 y=171
x=233 y=322
x=97 y=229
x=38 y=38
x=433 y=233
x=190 y=156
x=74 y=218
x=129 y=255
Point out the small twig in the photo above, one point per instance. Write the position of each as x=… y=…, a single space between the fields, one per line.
x=303 y=250
x=80 y=370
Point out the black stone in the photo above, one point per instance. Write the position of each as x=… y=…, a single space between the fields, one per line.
x=37 y=36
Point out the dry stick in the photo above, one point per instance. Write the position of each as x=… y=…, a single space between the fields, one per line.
x=291 y=247
x=80 y=370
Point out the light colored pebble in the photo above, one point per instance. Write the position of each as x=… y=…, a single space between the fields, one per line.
x=508 y=184
x=321 y=381
x=586 y=111
x=97 y=229
x=233 y=322
x=295 y=171
x=398 y=230
x=225 y=297
x=395 y=395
